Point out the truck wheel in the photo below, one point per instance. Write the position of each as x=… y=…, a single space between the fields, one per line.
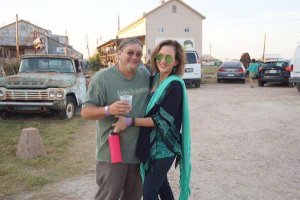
x=70 y=109
x=298 y=87
x=197 y=85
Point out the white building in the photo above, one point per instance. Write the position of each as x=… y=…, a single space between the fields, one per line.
x=173 y=19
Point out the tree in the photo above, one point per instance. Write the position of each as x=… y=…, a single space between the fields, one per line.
x=245 y=59
x=95 y=63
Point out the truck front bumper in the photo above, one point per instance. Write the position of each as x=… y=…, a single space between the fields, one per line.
x=32 y=106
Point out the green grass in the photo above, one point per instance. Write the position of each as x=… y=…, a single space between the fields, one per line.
x=209 y=69
x=209 y=74
x=18 y=174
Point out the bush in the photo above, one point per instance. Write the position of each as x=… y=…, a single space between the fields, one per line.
x=95 y=63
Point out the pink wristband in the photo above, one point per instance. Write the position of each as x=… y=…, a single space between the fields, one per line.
x=128 y=121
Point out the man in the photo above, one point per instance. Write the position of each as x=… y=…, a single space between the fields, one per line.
x=122 y=180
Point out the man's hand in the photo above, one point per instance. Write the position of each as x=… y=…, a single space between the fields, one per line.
x=119 y=108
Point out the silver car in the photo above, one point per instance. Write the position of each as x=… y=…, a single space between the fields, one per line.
x=231 y=70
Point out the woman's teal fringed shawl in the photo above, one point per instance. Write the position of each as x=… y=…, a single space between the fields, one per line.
x=185 y=163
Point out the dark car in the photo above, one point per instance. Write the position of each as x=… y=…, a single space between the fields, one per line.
x=231 y=70
x=277 y=71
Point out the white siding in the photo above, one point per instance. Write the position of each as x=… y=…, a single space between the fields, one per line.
x=173 y=25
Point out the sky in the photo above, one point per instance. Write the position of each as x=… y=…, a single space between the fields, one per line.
x=231 y=27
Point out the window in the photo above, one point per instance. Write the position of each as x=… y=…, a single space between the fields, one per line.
x=191 y=58
x=160 y=30
x=174 y=8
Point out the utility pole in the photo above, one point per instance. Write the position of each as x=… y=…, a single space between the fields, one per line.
x=66 y=42
x=17 y=38
x=118 y=23
x=87 y=46
x=263 y=58
x=209 y=51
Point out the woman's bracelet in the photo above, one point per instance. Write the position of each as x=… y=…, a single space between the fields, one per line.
x=128 y=121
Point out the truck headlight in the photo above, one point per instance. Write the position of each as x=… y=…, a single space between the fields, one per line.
x=59 y=94
x=1 y=94
x=51 y=94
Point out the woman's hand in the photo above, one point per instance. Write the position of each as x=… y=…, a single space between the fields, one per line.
x=121 y=124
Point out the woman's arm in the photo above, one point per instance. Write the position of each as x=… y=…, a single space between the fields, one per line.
x=125 y=122
x=171 y=104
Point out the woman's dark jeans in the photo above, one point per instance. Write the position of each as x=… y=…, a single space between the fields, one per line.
x=156 y=180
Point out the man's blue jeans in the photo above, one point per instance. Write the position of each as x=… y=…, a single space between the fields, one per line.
x=156 y=180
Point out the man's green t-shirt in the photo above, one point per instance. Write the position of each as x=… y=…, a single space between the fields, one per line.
x=105 y=88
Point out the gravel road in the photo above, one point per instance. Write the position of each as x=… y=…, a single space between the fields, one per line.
x=245 y=145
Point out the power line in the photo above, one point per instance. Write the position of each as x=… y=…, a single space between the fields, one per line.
x=255 y=23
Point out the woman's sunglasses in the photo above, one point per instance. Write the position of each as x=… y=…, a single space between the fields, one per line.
x=168 y=58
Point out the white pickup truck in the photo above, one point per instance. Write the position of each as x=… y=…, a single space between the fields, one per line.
x=295 y=74
x=44 y=83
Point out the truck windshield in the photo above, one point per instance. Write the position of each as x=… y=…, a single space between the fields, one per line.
x=61 y=65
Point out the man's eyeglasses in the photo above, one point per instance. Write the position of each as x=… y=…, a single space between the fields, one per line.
x=137 y=54
x=168 y=58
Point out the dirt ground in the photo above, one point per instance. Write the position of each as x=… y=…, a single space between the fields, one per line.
x=245 y=145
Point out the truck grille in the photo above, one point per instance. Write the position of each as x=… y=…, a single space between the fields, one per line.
x=26 y=95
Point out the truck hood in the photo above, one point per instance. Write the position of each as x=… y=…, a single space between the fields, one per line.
x=34 y=80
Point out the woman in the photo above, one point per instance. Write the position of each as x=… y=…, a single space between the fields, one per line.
x=160 y=140
x=253 y=70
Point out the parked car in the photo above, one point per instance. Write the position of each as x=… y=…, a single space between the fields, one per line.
x=295 y=74
x=44 y=83
x=276 y=71
x=192 y=70
x=231 y=70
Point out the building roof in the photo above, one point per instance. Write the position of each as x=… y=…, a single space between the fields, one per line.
x=180 y=1
x=115 y=42
x=3 y=27
x=164 y=4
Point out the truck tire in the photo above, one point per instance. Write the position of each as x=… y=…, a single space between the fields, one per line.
x=197 y=85
x=69 y=110
x=298 y=87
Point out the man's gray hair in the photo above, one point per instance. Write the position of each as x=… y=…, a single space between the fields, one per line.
x=128 y=41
